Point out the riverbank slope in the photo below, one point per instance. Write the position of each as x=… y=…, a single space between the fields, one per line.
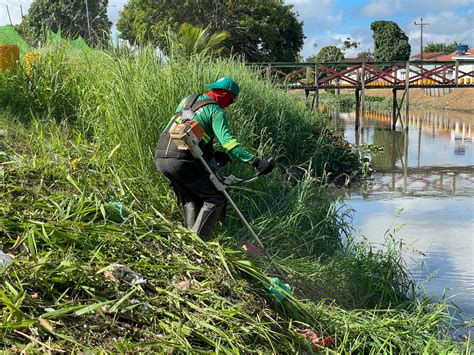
x=87 y=220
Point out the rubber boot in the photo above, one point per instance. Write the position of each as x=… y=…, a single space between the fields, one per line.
x=207 y=217
x=189 y=214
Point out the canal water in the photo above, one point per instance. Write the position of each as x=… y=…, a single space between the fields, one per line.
x=423 y=187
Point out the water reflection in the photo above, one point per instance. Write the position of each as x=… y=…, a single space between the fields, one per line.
x=428 y=172
x=433 y=139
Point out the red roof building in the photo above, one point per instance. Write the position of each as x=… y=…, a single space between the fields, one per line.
x=455 y=55
x=429 y=56
x=357 y=60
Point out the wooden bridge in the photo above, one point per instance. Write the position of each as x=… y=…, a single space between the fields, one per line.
x=397 y=76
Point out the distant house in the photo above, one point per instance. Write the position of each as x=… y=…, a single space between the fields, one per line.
x=429 y=56
x=357 y=60
x=462 y=53
x=467 y=55
x=357 y=73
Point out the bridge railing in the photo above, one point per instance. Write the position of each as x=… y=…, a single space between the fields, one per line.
x=368 y=74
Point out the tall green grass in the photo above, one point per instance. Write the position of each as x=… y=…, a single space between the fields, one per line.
x=199 y=296
x=94 y=120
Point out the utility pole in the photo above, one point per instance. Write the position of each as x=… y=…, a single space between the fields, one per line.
x=21 y=11
x=88 y=21
x=421 y=24
x=9 y=17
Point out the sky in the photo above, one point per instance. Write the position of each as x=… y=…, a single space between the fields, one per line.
x=329 y=22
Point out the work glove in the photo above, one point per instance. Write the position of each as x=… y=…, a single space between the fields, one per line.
x=221 y=158
x=264 y=167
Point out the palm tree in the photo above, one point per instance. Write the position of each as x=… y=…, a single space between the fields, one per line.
x=190 y=40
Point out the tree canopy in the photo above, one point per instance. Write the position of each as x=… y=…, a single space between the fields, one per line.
x=441 y=47
x=390 y=42
x=327 y=54
x=260 y=30
x=366 y=54
x=71 y=17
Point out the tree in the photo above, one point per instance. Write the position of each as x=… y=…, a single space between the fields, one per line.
x=441 y=47
x=390 y=42
x=71 y=17
x=327 y=54
x=365 y=55
x=191 y=40
x=260 y=30
x=348 y=44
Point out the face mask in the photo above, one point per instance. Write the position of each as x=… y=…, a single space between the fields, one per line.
x=223 y=97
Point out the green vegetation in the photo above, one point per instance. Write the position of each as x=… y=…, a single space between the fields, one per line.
x=347 y=102
x=81 y=128
x=440 y=47
x=327 y=54
x=73 y=18
x=259 y=30
x=390 y=42
x=190 y=40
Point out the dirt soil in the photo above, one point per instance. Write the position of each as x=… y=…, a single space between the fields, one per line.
x=458 y=99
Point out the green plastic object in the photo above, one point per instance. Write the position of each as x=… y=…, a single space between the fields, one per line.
x=115 y=211
x=225 y=83
x=8 y=35
x=279 y=290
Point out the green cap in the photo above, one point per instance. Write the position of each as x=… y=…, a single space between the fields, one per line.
x=225 y=83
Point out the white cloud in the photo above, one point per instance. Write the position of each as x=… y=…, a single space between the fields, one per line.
x=444 y=27
x=386 y=8
x=320 y=18
x=15 y=8
x=113 y=11
x=381 y=8
x=438 y=5
x=115 y=6
x=317 y=14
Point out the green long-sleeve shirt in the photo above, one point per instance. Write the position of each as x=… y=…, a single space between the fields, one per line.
x=213 y=120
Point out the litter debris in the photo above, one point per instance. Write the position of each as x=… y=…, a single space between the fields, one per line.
x=315 y=341
x=185 y=285
x=46 y=324
x=253 y=251
x=5 y=259
x=278 y=289
x=75 y=163
x=115 y=211
x=124 y=273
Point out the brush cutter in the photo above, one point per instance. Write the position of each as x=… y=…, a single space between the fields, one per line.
x=186 y=136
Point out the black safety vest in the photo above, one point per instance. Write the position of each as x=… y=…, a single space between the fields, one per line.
x=166 y=147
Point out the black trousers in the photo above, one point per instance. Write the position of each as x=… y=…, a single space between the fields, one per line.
x=190 y=181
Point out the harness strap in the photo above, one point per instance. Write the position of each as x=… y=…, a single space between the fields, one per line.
x=190 y=101
x=201 y=103
x=166 y=148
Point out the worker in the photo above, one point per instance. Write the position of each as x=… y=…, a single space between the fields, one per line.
x=201 y=202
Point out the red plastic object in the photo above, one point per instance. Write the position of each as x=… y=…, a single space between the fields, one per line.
x=253 y=250
x=314 y=338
